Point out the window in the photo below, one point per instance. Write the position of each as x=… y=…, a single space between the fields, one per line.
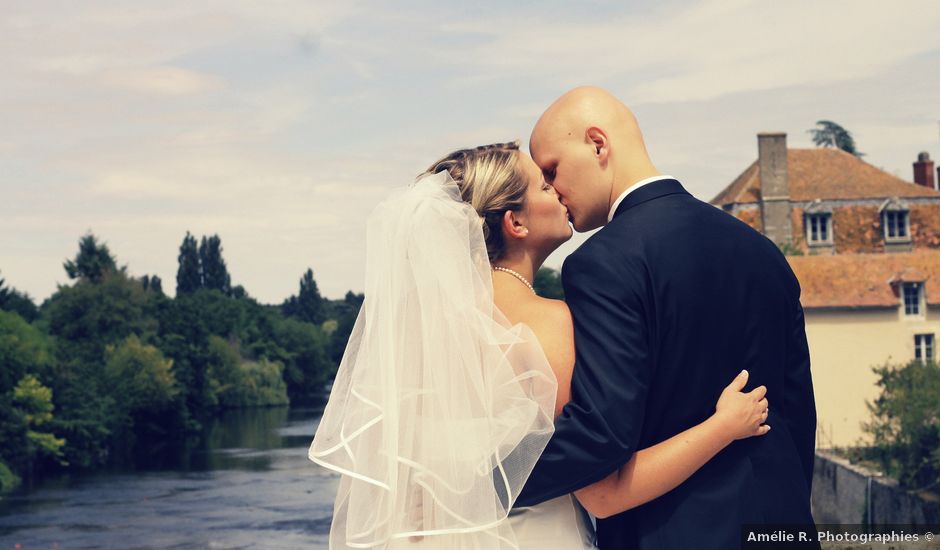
x=896 y=225
x=923 y=347
x=817 y=229
x=913 y=295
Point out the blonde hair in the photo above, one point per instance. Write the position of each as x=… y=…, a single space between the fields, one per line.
x=491 y=181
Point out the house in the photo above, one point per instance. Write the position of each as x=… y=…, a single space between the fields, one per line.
x=865 y=246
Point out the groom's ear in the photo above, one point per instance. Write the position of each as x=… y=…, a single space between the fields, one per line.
x=598 y=140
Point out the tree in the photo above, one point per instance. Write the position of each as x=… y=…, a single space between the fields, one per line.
x=140 y=378
x=18 y=302
x=8 y=480
x=93 y=261
x=905 y=424
x=223 y=375
x=152 y=283
x=33 y=401
x=183 y=337
x=202 y=266
x=547 y=284
x=308 y=304
x=214 y=273
x=346 y=313
x=304 y=353
x=830 y=134
x=24 y=349
x=189 y=274
x=239 y=292
x=86 y=317
x=25 y=356
x=4 y=291
x=239 y=382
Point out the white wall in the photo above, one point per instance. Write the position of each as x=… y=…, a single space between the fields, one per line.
x=844 y=345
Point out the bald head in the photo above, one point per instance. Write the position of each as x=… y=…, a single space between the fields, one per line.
x=571 y=114
x=591 y=147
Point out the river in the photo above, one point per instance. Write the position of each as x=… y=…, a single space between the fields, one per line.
x=246 y=483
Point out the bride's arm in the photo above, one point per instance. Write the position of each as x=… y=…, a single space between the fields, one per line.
x=656 y=470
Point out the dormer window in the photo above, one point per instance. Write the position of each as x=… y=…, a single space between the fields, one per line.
x=913 y=294
x=896 y=221
x=817 y=220
x=819 y=229
x=895 y=217
x=896 y=226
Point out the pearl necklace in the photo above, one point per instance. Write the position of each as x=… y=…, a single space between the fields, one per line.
x=516 y=275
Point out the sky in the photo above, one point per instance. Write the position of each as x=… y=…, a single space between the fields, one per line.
x=280 y=125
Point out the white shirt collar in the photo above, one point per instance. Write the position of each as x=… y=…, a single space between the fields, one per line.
x=631 y=189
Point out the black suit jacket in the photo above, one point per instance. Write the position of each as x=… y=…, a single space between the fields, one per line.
x=670 y=301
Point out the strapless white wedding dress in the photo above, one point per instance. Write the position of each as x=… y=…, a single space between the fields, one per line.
x=440 y=407
x=557 y=524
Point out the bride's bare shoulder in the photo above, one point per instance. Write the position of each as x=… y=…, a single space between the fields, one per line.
x=553 y=312
x=551 y=322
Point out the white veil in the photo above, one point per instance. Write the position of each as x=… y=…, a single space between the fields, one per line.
x=440 y=408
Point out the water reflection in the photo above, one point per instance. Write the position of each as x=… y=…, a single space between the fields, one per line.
x=245 y=482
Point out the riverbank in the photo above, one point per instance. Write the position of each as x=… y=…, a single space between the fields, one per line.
x=249 y=486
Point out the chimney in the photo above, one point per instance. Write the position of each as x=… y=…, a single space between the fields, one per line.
x=774 y=187
x=923 y=171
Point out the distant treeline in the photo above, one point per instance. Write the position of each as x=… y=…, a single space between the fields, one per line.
x=110 y=362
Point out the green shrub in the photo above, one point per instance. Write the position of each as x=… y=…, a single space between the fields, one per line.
x=139 y=378
x=33 y=401
x=905 y=424
x=8 y=480
x=238 y=382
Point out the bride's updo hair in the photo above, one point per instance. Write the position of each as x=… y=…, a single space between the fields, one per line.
x=491 y=181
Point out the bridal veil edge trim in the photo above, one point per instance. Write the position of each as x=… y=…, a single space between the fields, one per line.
x=440 y=408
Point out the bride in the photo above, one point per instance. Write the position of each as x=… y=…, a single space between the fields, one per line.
x=455 y=370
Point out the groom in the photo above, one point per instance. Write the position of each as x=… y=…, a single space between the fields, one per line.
x=670 y=299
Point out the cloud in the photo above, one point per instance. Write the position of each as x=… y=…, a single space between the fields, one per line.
x=706 y=49
x=281 y=125
x=163 y=80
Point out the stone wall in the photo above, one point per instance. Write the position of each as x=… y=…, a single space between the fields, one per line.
x=840 y=495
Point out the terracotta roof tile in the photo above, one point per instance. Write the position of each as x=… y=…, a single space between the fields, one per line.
x=864 y=280
x=825 y=174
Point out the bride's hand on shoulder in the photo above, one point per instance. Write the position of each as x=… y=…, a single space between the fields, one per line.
x=742 y=414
